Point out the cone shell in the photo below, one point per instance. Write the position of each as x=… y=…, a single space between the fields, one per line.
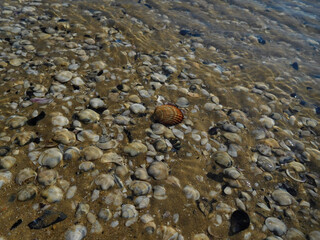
x=168 y=115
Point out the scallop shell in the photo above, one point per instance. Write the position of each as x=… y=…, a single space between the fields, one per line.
x=168 y=115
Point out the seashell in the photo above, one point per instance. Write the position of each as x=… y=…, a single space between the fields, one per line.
x=158 y=170
x=168 y=115
x=47 y=177
x=141 y=173
x=52 y=194
x=7 y=162
x=173 y=181
x=167 y=233
x=16 y=121
x=142 y=202
x=105 y=181
x=25 y=137
x=92 y=153
x=76 y=232
x=48 y=218
x=112 y=157
x=140 y=188
x=87 y=135
x=107 y=145
x=71 y=192
x=50 y=157
x=150 y=227
x=122 y=170
x=71 y=154
x=88 y=116
x=25 y=175
x=128 y=211
x=114 y=198
x=64 y=136
x=5 y=177
x=86 y=166
x=82 y=210
x=191 y=193
x=105 y=214
x=27 y=193
x=145 y=218
x=59 y=121
x=159 y=192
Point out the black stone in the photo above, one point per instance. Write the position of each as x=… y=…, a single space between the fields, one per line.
x=317 y=110
x=16 y=224
x=261 y=40
x=48 y=218
x=35 y=120
x=303 y=103
x=294 y=95
x=295 y=66
x=185 y=32
x=213 y=130
x=239 y=221
x=128 y=134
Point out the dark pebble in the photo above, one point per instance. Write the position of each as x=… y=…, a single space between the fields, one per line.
x=148 y=6
x=239 y=221
x=317 y=110
x=16 y=224
x=303 y=103
x=213 y=130
x=309 y=88
x=295 y=66
x=48 y=218
x=35 y=120
x=293 y=95
x=184 y=32
x=261 y=40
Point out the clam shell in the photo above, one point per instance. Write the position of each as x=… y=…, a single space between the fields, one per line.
x=27 y=193
x=140 y=188
x=168 y=115
x=105 y=181
x=24 y=175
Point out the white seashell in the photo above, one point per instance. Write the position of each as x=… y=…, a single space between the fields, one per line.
x=27 y=193
x=121 y=170
x=105 y=181
x=52 y=194
x=88 y=116
x=82 y=209
x=141 y=173
x=64 y=136
x=150 y=227
x=71 y=154
x=25 y=175
x=142 y=202
x=173 y=181
x=86 y=166
x=105 y=214
x=112 y=157
x=92 y=153
x=140 y=187
x=76 y=232
x=5 y=177
x=87 y=135
x=191 y=193
x=47 y=177
x=159 y=192
x=107 y=145
x=16 y=121
x=50 y=157
x=96 y=103
x=71 y=192
x=158 y=170
x=59 y=121
x=145 y=218
x=167 y=233
x=128 y=211
x=7 y=162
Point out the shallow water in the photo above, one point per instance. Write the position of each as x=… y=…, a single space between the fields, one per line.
x=231 y=47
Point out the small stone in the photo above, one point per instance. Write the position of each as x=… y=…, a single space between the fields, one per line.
x=276 y=226
x=137 y=108
x=223 y=159
x=63 y=76
x=282 y=197
x=182 y=102
x=135 y=148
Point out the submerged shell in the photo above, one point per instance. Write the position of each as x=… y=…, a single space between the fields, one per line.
x=50 y=157
x=76 y=232
x=105 y=181
x=27 y=193
x=140 y=188
x=24 y=175
x=168 y=115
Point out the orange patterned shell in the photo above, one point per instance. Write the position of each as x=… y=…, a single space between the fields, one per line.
x=168 y=115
